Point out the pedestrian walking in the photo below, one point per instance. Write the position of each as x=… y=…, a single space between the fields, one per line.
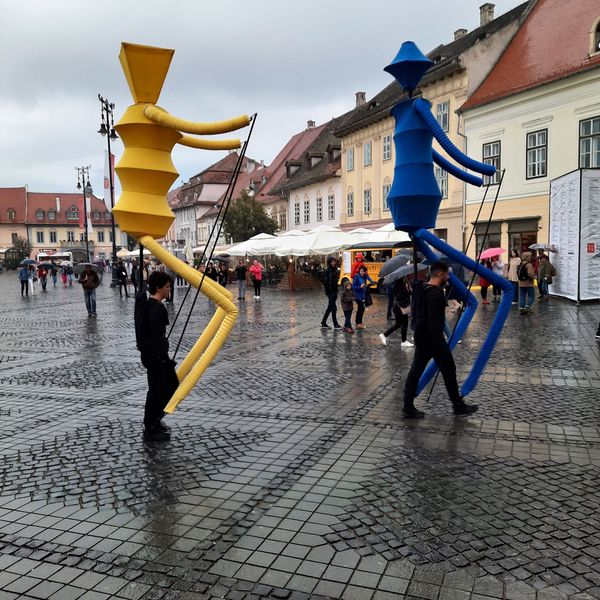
x=240 y=276
x=211 y=271
x=135 y=274
x=32 y=278
x=223 y=275
x=330 y=283
x=24 y=279
x=43 y=277
x=510 y=272
x=54 y=275
x=89 y=281
x=71 y=275
x=121 y=276
x=256 y=273
x=497 y=265
x=429 y=308
x=401 y=291
x=526 y=275
x=360 y=285
x=347 y=300
x=389 y=290
x=546 y=272
x=63 y=275
x=484 y=284
x=153 y=344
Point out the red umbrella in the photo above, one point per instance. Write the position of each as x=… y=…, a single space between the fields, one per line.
x=490 y=252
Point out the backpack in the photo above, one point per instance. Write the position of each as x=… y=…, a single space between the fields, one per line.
x=522 y=274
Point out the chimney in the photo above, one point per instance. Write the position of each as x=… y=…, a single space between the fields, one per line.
x=460 y=33
x=57 y=204
x=361 y=98
x=310 y=124
x=486 y=13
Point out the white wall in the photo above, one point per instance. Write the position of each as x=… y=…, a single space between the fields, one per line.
x=557 y=107
x=311 y=193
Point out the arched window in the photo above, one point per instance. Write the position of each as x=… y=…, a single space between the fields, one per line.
x=595 y=37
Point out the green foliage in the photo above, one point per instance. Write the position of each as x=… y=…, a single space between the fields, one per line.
x=22 y=247
x=245 y=218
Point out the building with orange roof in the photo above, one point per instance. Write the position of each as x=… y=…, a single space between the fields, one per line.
x=13 y=208
x=537 y=115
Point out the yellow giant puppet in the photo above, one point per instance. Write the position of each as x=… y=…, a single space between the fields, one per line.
x=146 y=172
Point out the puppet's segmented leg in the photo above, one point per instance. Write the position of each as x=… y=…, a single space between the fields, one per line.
x=424 y=237
x=215 y=334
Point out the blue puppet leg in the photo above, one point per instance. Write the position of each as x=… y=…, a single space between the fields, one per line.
x=465 y=318
x=422 y=235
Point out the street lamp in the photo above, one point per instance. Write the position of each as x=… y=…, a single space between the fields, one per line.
x=107 y=128
x=83 y=173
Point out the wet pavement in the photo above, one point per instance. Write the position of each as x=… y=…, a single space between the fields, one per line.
x=290 y=473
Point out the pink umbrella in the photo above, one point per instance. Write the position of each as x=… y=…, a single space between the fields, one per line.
x=490 y=252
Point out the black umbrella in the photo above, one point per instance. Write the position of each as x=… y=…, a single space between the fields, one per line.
x=80 y=267
x=28 y=261
x=393 y=263
x=47 y=265
x=403 y=271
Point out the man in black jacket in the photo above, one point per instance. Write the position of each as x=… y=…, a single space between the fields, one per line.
x=429 y=317
x=330 y=283
x=154 y=346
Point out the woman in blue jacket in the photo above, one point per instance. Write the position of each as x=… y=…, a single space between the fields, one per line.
x=360 y=283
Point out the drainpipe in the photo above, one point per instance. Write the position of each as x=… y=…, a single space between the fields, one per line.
x=464 y=198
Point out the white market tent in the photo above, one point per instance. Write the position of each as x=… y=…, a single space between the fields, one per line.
x=321 y=240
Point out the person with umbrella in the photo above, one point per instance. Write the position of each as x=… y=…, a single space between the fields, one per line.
x=24 y=279
x=401 y=291
x=42 y=276
x=89 y=281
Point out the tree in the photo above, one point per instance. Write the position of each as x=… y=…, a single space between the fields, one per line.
x=246 y=218
x=23 y=247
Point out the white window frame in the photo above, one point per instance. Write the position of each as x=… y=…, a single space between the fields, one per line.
x=350 y=159
x=441 y=176
x=306 y=211
x=319 y=208
x=331 y=207
x=297 y=213
x=367 y=154
x=101 y=235
x=367 y=201
x=589 y=143
x=492 y=155
x=53 y=237
x=385 y=190
x=70 y=236
x=350 y=204
x=39 y=235
x=442 y=114
x=386 y=147
x=536 y=153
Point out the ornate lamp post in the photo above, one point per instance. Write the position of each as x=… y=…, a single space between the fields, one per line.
x=107 y=128
x=83 y=174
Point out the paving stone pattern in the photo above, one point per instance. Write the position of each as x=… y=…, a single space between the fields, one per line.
x=291 y=473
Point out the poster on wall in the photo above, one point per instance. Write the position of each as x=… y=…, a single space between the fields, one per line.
x=575 y=231
x=564 y=233
x=589 y=247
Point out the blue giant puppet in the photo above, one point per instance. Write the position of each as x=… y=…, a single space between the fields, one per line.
x=415 y=198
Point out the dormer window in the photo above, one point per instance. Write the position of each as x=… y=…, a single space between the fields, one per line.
x=96 y=215
x=107 y=216
x=11 y=214
x=73 y=213
x=52 y=215
x=596 y=38
x=39 y=215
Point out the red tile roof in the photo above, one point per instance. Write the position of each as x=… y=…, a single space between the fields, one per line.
x=294 y=149
x=551 y=44
x=16 y=199
x=47 y=201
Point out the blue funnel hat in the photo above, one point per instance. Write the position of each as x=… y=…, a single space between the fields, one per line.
x=409 y=66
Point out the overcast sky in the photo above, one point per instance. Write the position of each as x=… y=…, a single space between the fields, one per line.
x=289 y=62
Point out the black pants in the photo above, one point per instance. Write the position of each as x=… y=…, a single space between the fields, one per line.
x=331 y=309
x=360 y=311
x=162 y=383
x=256 y=283
x=25 y=287
x=424 y=352
x=401 y=323
x=484 y=293
x=123 y=286
x=497 y=290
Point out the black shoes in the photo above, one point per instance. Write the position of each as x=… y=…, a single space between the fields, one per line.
x=325 y=326
x=462 y=408
x=337 y=326
x=158 y=433
x=410 y=412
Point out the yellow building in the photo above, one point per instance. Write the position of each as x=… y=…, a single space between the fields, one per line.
x=367 y=132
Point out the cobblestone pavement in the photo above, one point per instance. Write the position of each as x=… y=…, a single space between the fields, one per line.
x=290 y=473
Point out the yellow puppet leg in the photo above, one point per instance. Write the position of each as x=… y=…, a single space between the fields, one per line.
x=201 y=354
